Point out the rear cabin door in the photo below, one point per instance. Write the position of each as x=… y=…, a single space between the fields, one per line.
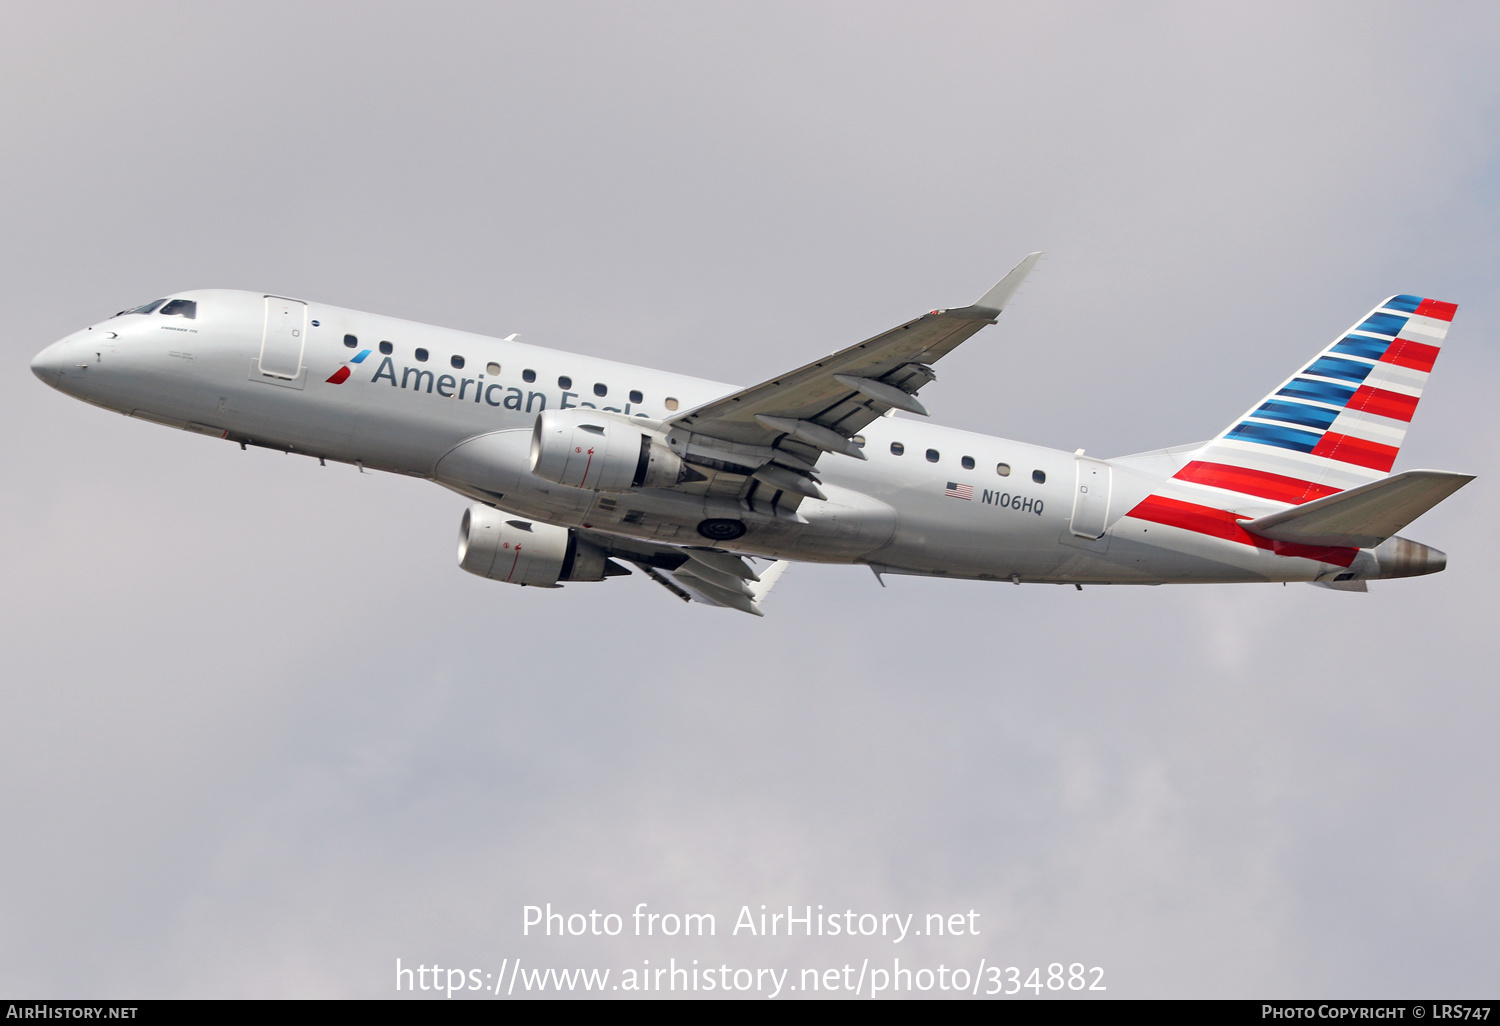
x=285 y=334
x=1091 y=497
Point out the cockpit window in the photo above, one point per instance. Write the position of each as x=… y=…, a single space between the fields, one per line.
x=148 y=308
x=181 y=308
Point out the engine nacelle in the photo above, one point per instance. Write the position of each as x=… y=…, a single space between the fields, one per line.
x=505 y=548
x=584 y=448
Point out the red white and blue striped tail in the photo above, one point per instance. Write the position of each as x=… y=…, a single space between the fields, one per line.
x=1339 y=421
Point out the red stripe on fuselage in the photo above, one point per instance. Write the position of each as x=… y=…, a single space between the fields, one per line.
x=1259 y=483
x=1436 y=309
x=1383 y=404
x=1359 y=451
x=1405 y=353
x=1218 y=523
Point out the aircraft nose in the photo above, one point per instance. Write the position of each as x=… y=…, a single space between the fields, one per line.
x=50 y=363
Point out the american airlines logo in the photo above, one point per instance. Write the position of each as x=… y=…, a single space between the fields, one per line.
x=341 y=375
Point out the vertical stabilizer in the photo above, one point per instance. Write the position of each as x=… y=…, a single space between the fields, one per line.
x=1339 y=421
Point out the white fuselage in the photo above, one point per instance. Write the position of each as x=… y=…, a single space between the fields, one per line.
x=469 y=427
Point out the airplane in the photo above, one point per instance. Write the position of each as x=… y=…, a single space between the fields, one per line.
x=577 y=466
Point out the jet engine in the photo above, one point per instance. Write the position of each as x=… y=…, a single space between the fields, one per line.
x=504 y=548
x=584 y=448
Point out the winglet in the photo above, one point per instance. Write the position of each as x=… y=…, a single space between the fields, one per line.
x=768 y=579
x=999 y=297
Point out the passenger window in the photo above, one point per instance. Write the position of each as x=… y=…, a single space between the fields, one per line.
x=528 y=375
x=636 y=397
x=385 y=348
x=351 y=341
x=564 y=382
x=671 y=403
x=1039 y=476
x=932 y=455
x=600 y=390
x=968 y=462
x=181 y=308
x=858 y=440
x=457 y=362
x=421 y=356
x=492 y=369
x=897 y=448
x=1003 y=469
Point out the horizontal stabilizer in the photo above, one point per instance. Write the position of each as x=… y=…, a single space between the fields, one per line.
x=1355 y=586
x=1362 y=517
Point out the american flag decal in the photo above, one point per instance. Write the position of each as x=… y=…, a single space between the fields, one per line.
x=959 y=491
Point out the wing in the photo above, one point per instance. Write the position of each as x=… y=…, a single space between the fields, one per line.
x=762 y=444
x=696 y=575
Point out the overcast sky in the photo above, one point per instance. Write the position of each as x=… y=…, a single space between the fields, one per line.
x=259 y=736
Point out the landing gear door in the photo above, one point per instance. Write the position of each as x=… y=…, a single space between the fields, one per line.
x=285 y=335
x=1091 y=491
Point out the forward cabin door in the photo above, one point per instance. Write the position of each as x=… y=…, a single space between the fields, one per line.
x=285 y=335
x=1091 y=497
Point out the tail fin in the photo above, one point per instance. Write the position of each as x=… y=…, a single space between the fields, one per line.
x=1339 y=421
